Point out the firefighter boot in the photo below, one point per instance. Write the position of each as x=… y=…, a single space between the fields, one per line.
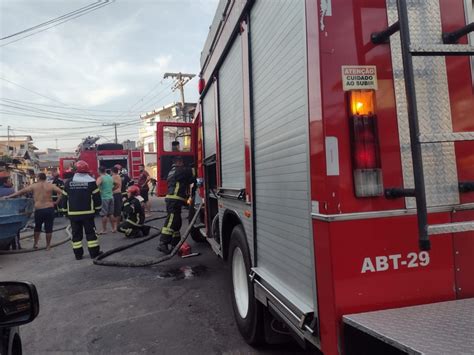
x=165 y=239
x=175 y=240
x=163 y=247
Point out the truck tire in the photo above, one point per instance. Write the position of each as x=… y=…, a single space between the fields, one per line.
x=196 y=233
x=248 y=312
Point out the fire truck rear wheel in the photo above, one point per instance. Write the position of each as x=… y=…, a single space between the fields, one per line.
x=248 y=312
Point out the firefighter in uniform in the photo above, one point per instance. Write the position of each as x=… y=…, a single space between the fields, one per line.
x=133 y=215
x=179 y=180
x=81 y=201
x=126 y=181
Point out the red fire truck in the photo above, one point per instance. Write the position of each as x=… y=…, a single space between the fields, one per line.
x=335 y=141
x=106 y=155
x=173 y=139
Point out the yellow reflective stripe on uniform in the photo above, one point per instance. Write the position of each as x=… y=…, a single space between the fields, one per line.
x=175 y=197
x=133 y=223
x=98 y=207
x=92 y=243
x=176 y=189
x=79 y=213
x=64 y=193
x=170 y=222
x=76 y=245
x=96 y=191
x=166 y=230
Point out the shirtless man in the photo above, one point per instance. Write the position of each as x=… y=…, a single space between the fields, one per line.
x=117 y=196
x=44 y=206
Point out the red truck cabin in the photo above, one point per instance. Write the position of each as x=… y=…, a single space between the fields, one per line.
x=309 y=179
x=173 y=139
x=66 y=164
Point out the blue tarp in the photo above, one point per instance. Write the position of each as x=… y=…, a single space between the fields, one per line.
x=14 y=214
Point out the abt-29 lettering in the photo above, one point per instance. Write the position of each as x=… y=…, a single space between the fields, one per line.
x=395 y=262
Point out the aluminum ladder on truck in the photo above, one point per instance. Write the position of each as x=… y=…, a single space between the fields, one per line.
x=447 y=46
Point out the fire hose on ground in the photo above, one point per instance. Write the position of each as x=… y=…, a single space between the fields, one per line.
x=61 y=242
x=53 y=245
x=100 y=259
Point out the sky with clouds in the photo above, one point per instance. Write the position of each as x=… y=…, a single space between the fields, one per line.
x=65 y=82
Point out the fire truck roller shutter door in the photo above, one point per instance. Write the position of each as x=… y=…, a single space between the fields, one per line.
x=282 y=184
x=231 y=117
x=209 y=121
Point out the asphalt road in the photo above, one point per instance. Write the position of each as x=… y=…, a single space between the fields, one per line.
x=179 y=307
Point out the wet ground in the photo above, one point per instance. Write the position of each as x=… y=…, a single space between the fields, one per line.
x=179 y=307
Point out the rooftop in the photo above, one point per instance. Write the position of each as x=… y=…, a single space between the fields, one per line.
x=16 y=138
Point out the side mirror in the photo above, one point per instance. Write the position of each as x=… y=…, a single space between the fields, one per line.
x=19 y=303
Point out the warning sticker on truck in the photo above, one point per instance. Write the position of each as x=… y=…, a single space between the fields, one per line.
x=359 y=77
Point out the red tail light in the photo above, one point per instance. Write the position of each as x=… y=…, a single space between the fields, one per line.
x=365 y=144
x=201 y=85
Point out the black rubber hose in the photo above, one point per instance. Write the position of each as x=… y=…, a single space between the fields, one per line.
x=24 y=251
x=100 y=259
x=155 y=219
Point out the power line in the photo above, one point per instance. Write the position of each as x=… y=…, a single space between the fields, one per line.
x=17 y=114
x=61 y=22
x=86 y=110
x=32 y=91
x=65 y=107
x=89 y=117
x=48 y=130
x=153 y=97
x=51 y=114
x=37 y=93
x=50 y=21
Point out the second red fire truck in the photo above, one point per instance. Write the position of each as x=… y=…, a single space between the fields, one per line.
x=106 y=155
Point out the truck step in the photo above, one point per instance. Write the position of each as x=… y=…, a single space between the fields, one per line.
x=446 y=137
x=457 y=227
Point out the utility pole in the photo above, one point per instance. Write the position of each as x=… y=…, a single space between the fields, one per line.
x=115 y=124
x=8 y=140
x=180 y=80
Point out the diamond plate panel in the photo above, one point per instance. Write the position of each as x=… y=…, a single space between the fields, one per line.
x=438 y=328
x=434 y=109
x=459 y=227
x=447 y=137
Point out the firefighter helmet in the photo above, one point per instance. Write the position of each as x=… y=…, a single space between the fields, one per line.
x=124 y=171
x=133 y=190
x=82 y=167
